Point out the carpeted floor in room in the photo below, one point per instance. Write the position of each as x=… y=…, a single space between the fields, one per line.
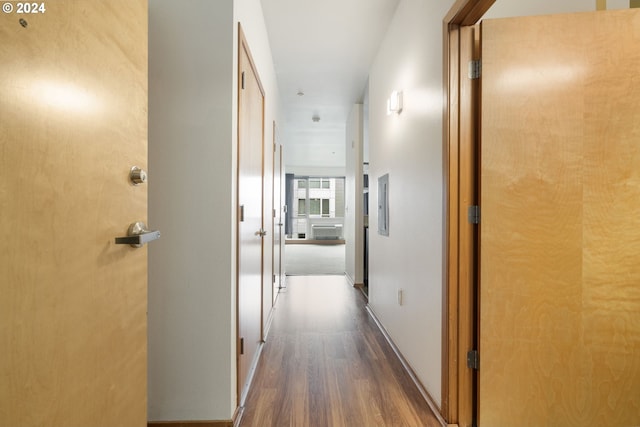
x=309 y=259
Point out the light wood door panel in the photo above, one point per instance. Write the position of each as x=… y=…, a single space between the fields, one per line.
x=250 y=202
x=73 y=121
x=560 y=232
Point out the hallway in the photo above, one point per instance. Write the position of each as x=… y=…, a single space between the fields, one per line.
x=326 y=364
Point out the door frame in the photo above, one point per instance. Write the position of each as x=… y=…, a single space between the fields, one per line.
x=457 y=405
x=277 y=216
x=244 y=46
x=460 y=252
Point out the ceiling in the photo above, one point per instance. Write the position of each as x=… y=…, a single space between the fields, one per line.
x=322 y=52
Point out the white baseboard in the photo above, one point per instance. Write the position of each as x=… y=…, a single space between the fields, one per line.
x=425 y=394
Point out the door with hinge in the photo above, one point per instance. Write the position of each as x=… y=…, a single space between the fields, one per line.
x=73 y=124
x=250 y=212
x=560 y=230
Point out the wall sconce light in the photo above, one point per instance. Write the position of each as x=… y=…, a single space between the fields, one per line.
x=394 y=103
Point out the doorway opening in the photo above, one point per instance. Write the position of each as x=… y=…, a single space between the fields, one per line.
x=317 y=209
x=314 y=225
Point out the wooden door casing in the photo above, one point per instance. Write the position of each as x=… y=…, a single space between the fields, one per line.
x=278 y=239
x=460 y=264
x=250 y=213
x=73 y=114
x=467 y=232
x=560 y=238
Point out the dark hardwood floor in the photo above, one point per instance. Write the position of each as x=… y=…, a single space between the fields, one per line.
x=326 y=364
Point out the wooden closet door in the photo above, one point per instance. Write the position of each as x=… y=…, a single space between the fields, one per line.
x=251 y=207
x=560 y=226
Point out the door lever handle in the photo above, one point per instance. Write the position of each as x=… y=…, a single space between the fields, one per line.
x=138 y=235
x=261 y=233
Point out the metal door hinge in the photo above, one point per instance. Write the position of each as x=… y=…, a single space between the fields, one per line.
x=475 y=69
x=243 y=80
x=274 y=278
x=241 y=213
x=241 y=345
x=473 y=359
x=473 y=214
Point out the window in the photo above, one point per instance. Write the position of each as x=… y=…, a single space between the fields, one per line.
x=319 y=207
x=315 y=200
x=319 y=183
x=314 y=208
x=319 y=197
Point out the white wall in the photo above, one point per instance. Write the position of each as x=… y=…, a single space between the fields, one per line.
x=617 y=4
x=365 y=125
x=192 y=182
x=191 y=280
x=506 y=8
x=409 y=147
x=353 y=216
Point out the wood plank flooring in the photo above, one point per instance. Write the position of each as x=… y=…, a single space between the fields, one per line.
x=326 y=364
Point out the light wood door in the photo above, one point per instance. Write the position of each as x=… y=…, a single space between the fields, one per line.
x=73 y=121
x=560 y=230
x=250 y=215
